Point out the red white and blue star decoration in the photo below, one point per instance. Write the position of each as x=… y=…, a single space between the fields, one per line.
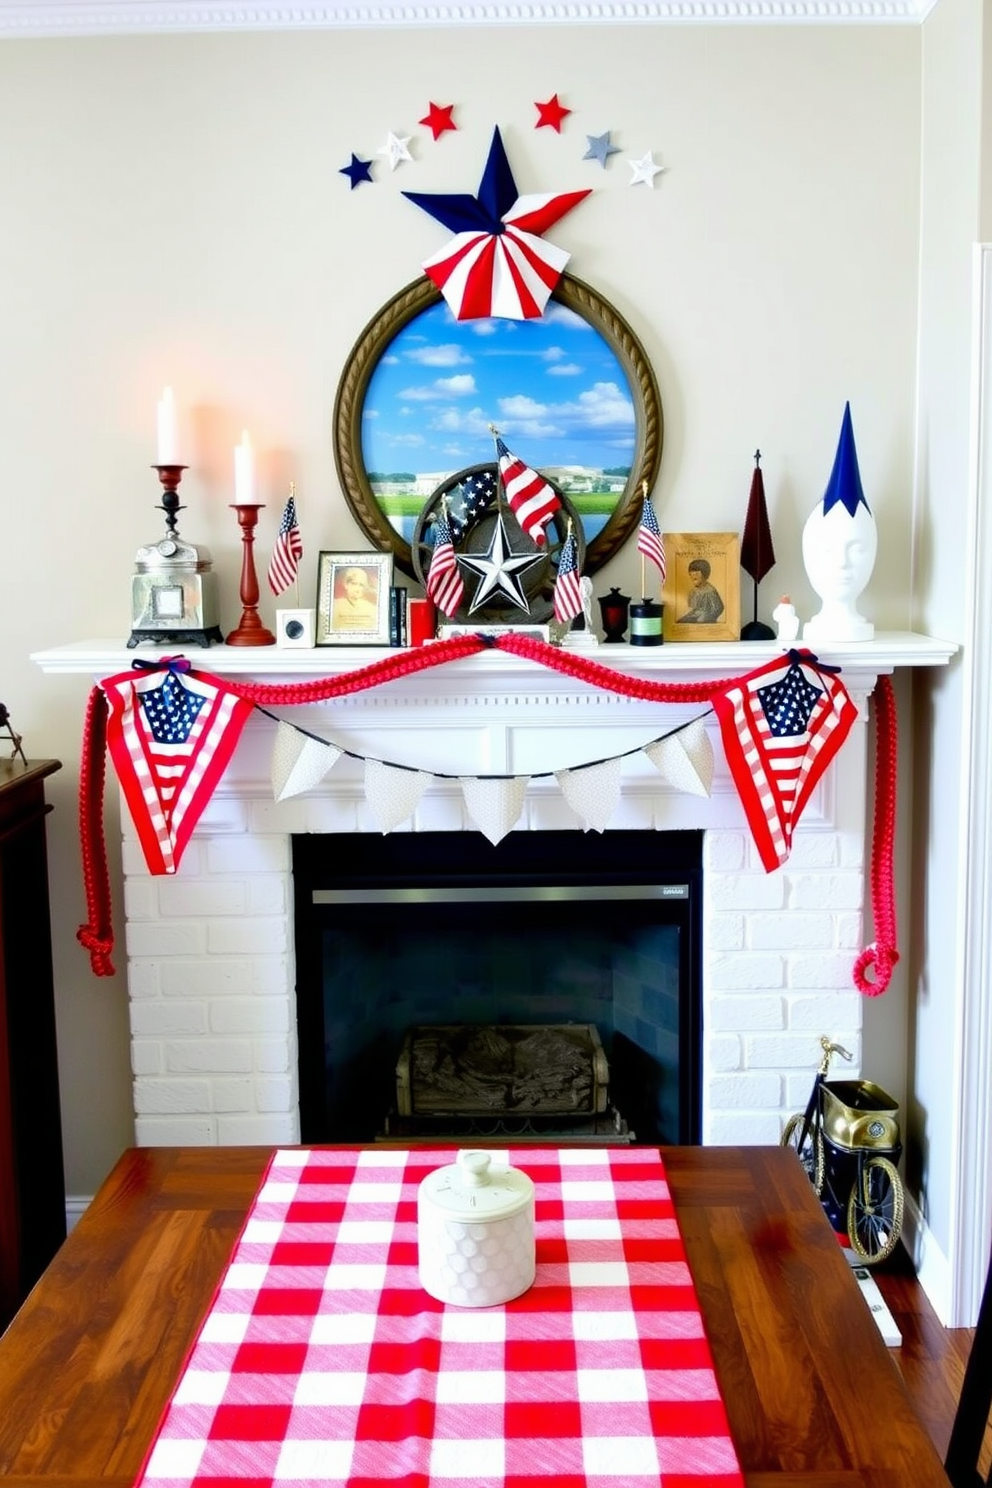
x=500 y=570
x=497 y=264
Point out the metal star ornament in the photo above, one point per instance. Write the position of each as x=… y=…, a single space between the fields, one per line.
x=395 y=149
x=438 y=119
x=600 y=148
x=551 y=114
x=500 y=570
x=645 y=170
x=497 y=263
x=357 y=172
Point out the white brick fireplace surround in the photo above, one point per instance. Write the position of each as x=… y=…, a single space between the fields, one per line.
x=211 y=971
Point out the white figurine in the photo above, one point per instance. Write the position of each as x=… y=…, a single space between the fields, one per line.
x=785 y=617
x=840 y=541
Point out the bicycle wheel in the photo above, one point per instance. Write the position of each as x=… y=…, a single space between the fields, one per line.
x=874 y=1210
x=811 y=1153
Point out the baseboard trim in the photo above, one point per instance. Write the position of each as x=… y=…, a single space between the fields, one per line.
x=75 y=1206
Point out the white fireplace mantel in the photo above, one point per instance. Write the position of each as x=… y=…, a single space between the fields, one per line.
x=211 y=965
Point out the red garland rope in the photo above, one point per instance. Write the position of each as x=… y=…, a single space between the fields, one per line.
x=97 y=934
x=882 y=955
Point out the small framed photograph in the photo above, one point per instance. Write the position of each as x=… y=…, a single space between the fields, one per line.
x=353 y=599
x=702 y=586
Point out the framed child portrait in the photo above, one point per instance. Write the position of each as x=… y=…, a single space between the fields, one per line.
x=702 y=586
x=353 y=599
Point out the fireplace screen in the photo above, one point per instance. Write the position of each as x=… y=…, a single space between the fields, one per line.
x=449 y=988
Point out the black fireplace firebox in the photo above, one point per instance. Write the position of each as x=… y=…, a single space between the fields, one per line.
x=419 y=929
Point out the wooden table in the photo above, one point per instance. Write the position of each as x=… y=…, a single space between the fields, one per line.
x=814 y=1400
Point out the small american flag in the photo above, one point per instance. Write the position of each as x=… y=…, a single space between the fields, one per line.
x=287 y=552
x=568 y=595
x=444 y=582
x=532 y=500
x=649 y=540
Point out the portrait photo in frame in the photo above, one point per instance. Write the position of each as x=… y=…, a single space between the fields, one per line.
x=702 y=586
x=353 y=599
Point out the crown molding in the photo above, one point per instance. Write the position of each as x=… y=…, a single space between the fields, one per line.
x=48 y=18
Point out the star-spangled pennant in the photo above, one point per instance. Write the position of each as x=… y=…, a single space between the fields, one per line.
x=170 y=733
x=781 y=726
x=497 y=264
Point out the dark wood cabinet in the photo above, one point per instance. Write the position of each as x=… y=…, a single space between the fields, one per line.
x=32 y=1182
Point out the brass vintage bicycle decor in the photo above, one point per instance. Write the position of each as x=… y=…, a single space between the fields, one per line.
x=848 y=1141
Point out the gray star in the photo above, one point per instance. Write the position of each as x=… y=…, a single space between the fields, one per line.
x=500 y=570
x=600 y=148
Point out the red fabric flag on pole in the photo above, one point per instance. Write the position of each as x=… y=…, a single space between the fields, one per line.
x=757 y=552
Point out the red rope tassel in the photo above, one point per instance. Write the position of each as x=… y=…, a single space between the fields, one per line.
x=882 y=955
x=96 y=935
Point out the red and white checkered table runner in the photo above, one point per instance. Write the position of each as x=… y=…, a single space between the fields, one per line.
x=322 y=1360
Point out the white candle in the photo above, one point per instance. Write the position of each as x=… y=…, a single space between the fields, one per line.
x=167 y=444
x=244 y=472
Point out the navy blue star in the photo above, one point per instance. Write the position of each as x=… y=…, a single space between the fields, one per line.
x=789 y=703
x=171 y=710
x=484 y=213
x=357 y=171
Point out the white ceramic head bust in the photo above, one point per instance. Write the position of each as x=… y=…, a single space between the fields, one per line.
x=840 y=541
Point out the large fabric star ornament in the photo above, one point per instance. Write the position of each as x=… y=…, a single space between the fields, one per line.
x=357 y=172
x=550 y=114
x=438 y=119
x=500 y=570
x=497 y=264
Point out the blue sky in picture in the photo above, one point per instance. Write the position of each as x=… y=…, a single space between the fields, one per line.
x=553 y=387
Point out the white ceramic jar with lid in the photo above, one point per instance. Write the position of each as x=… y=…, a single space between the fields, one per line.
x=475 y=1232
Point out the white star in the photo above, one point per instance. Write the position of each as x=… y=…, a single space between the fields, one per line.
x=500 y=570
x=395 y=149
x=645 y=170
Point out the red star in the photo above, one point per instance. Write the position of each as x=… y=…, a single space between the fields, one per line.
x=438 y=119
x=551 y=113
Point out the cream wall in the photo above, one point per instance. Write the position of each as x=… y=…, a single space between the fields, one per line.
x=172 y=212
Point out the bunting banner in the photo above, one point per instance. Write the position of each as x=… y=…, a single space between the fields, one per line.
x=170 y=733
x=299 y=761
x=494 y=804
x=685 y=759
x=393 y=793
x=781 y=726
x=592 y=792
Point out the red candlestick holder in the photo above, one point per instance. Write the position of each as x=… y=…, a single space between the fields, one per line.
x=250 y=630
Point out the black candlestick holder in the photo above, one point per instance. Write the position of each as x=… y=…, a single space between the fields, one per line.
x=170 y=476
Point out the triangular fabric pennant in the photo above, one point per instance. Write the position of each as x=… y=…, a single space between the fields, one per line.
x=393 y=794
x=685 y=759
x=494 y=805
x=781 y=726
x=170 y=733
x=592 y=792
x=299 y=762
